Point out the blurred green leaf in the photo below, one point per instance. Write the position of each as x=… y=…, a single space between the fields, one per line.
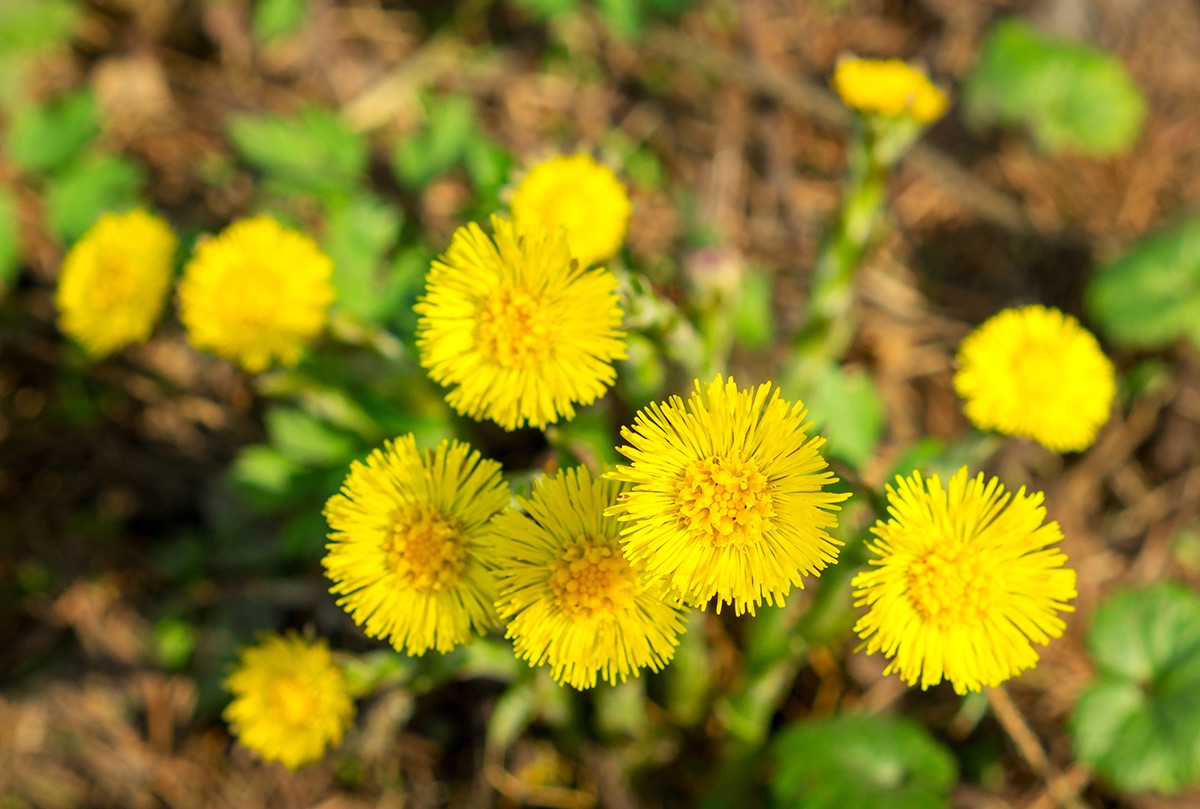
x=82 y=191
x=1071 y=96
x=440 y=145
x=754 y=318
x=1151 y=296
x=545 y=9
x=174 y=643
x=359 y=233
x=10 y=239
x=847 y=409
x=305 y=440
x=857 y=761
x=313 y=153
x=689 y=677
x=1136 y=725
x=274 y=19
x=41 y=139
x=625 y=18
x=261 y=468
x=35 y=25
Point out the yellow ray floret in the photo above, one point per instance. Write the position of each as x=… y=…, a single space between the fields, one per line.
x=291 y=700
x=1035 y=372
x=407 y=553
x=114 y=281
x=570 y=598
x=726 y=499
x=964 y=580
x=888 y=87
x=581 y=196
x=257 y=293
x=517 y=329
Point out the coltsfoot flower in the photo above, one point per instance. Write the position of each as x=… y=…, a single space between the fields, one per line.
x=888 y=87
x=726 y=500
x=571 y=599
x=963 y=581
x=518 y=330
x=257 y=294
x=408 y=553
x=291 y=701
x=580 y=195
x=114 y=281
x=1035 y=372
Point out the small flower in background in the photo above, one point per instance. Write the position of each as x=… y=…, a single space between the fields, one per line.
x=888 y=87
x=257 y=294
x=1035 y=372
x=569 y=596
x=964 y=580
x=114 y=281
x=726 y=498
x=291 y=701
x=516 y=327
x=580 y=195
x=408 y=553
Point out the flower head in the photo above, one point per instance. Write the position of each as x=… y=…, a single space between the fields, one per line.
x=408 y=555
x=517 y=327
x=114 y=281
x=964 y=580
x=580 y=195
x=726 y=498
x=888 y=87
x=1035 y=372
x=291 y=700
x=257 y=293
x=571 y=599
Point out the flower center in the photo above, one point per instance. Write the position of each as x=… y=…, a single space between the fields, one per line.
x=425 y=550
x=294 y=702
x=512 y=329
x=115 y=285
x=593 y=580
x=1039 y=370
x=953 y=587
x=726 y=501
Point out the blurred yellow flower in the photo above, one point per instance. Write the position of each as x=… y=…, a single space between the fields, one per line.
x=408 y=554
x=291 y=701
x=726 y=497
x=571 y=599
x=963 y=580
x=516 y=327
x=1035 y=372
x=258 y=293
x=114 y=281
x=888 y=87
x=580 y=195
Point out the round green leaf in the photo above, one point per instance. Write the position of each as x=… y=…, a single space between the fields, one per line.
x=853 y=761
x=1137 y=724
x=1151 y=296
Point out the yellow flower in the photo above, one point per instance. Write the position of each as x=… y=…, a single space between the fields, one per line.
x=888 y=87
x=257 y=293
x=580 y=195
x=115 y=280
x=726 y=497
x=517 y=328
x=1035 y=372
x=965 y=578
x=571 y=599
x=408 y=554
x=291 y=701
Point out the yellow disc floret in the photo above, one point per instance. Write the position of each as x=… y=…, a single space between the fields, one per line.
x=114 y=281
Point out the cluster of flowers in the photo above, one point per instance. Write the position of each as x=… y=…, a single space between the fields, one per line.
x=725 y=499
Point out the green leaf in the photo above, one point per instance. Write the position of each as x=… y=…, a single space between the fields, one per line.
x=754 y=318
x=546 y=9
x=42 y=139
x=1151 y=296
x=358 y=235
x=440 y=146
x=857 y=761
x=313 y=153
x=305 y=440
x=263 y=469
x=35 y=25
x=1071 y=96
x=625 y=18
x=81 y=192
x=10 y=239
x=1136 y=725
x=275 y=19
x=848 y=410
